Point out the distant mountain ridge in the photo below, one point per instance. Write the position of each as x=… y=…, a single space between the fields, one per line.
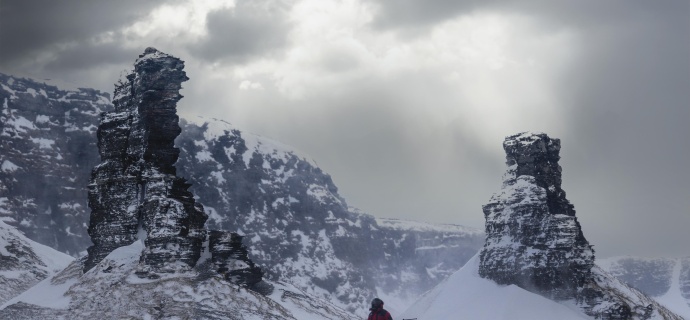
x=297 y=226
x=667 y=280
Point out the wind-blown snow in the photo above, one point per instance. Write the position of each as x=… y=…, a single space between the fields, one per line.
x=465 y=295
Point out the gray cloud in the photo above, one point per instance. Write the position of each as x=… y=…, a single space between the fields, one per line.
x=623 y=99
x=28 y=27
x=249 y=30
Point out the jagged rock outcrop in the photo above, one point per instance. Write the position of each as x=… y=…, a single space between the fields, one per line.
x=534 y=241
x=134 y=192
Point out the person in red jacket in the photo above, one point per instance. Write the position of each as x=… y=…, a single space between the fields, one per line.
x=377 y=311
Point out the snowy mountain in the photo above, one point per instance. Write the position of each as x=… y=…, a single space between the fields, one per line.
x=301 y=229
x=296 y=226
x=666 y=280
x=534 y=246
x=23 y=262
x=152 y=255
x=47 y=150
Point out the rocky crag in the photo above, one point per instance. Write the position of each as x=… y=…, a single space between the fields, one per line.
x=667 y=280
x=534 y=241
x=134 y=192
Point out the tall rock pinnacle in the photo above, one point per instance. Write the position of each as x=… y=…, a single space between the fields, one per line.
x=134 y=193
x=534 y=241
x=533 y=238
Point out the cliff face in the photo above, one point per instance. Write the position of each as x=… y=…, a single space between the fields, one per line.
x=135 y=194
x=23 y=262
x=533 y=237
x=534 y=241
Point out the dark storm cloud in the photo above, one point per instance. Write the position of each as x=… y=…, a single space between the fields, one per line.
x=249 y=30
x=31 y=26
x=90 y=55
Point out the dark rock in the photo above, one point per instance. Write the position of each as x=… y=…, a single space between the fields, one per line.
x=230 y=258
x=534 y=241
x=134 y=191
x=533 y=238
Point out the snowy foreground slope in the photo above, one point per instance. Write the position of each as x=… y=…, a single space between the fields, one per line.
x=666 y=280
x=112 y=288
x=466 y=295
x=23 y=262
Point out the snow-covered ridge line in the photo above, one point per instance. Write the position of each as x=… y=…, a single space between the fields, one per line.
x=421 y=226
x=254 y=142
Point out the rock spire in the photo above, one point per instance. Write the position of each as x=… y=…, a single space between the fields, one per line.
x=134 y=192
x=534 y=241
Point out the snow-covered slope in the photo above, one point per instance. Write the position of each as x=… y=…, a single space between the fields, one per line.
x=23 y=262
x=112 y=288
x=666 y=280
x=466 y=295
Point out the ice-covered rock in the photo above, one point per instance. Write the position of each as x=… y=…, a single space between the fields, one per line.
x=534 y=241
x=134 y=191
x=533 y=238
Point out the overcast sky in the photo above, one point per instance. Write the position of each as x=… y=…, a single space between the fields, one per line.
x=406 y=103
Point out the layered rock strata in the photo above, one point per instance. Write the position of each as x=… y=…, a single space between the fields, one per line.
x=533 y=237
x=534 y=241
x=135 y=193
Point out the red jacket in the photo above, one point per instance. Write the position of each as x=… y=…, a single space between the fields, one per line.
x=380 y=314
